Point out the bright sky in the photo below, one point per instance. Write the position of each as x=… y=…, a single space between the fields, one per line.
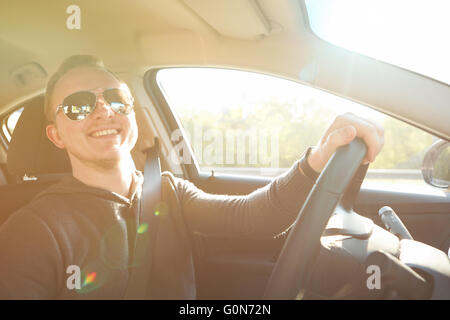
x=412 y=34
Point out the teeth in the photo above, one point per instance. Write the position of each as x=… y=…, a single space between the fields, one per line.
x=105 y=132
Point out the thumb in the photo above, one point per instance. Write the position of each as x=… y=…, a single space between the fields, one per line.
x=335 y=139
x=339 y=137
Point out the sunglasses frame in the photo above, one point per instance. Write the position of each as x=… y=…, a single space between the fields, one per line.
x=61 y=106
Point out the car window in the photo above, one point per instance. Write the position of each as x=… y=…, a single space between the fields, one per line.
x=253 y=124
x=10 y=123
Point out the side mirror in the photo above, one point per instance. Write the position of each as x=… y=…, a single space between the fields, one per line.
x=436 y=164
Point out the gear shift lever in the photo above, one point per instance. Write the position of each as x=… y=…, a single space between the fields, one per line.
x=393 y=223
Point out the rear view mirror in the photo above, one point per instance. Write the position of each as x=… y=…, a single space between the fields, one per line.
x=436 y=164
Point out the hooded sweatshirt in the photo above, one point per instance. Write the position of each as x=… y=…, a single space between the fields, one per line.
x=72 y=228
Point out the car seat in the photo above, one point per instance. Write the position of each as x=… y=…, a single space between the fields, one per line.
x=33 y=162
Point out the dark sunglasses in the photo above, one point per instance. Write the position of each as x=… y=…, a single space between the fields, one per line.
x=79 y=105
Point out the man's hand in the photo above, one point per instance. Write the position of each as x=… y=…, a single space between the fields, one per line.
x=341 y=132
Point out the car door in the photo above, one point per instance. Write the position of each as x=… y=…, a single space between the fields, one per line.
x=233 y=131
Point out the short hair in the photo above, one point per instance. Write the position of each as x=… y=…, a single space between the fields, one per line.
x=72 y=62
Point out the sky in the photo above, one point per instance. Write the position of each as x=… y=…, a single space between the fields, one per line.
x=412 y=34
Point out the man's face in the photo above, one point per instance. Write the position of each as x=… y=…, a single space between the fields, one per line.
x=80 y=138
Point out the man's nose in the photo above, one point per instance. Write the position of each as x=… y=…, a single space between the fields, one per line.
x=102 y=109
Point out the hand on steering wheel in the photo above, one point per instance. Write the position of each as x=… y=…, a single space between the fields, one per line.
x=290 y=273
x=343 y=130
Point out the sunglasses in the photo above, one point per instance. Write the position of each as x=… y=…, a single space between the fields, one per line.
x=79 y=105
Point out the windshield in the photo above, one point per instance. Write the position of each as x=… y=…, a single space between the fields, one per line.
x=411 y=34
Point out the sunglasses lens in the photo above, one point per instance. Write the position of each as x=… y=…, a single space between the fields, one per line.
x=119 y=100
x=79 y=105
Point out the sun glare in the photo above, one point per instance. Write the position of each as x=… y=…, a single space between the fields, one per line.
x=412 y=34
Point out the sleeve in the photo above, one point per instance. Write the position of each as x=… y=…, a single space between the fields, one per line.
x=264 y=213
x=30 y=258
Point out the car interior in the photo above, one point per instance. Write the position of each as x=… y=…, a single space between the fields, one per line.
x=137 y=39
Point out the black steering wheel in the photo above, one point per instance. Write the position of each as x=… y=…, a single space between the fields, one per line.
x=289 y=276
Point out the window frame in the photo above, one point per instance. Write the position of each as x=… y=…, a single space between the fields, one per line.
x=167 y=116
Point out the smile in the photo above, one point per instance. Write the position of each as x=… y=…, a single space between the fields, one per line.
x=106 y=132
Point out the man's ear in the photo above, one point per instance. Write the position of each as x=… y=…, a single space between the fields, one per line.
x=53 y=136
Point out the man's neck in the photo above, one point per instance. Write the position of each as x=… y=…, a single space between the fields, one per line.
x=118 y=178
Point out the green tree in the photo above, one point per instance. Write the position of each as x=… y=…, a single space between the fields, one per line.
x=301 y=125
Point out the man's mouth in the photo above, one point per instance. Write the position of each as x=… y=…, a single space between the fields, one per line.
x=105 y=132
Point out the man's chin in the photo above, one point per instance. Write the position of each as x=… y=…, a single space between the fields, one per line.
x=107 y=163
x=114 y=160
x=103 y=163
x=105 y=159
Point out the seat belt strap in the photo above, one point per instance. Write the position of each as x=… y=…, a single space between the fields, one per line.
x=148 y=225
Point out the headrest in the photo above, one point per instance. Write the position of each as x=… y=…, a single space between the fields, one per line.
x=30 y=152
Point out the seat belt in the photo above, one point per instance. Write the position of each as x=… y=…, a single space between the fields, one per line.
x=148 y=225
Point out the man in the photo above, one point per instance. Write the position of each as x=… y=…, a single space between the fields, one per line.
x=90 y=219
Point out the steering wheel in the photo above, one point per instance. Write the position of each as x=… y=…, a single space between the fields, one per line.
x=289 y=276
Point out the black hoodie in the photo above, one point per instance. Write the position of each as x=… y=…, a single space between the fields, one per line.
x=73 y=224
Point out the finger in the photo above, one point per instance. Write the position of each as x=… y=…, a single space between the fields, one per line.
x=379 y=129
x=337 y=138
x=373 y=141
x=371 y=133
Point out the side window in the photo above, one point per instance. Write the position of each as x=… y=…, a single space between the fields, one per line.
x=252 y=124
x=10 y=123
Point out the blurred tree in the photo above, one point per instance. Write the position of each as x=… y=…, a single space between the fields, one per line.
x=300 y=126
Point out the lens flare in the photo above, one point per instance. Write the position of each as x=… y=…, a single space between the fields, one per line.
x=161 y=209
x=89 y=278
x=142 y=228
x=94 y=275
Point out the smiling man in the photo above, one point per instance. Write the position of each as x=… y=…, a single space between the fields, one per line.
x=98 y=146
x=90 y=218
